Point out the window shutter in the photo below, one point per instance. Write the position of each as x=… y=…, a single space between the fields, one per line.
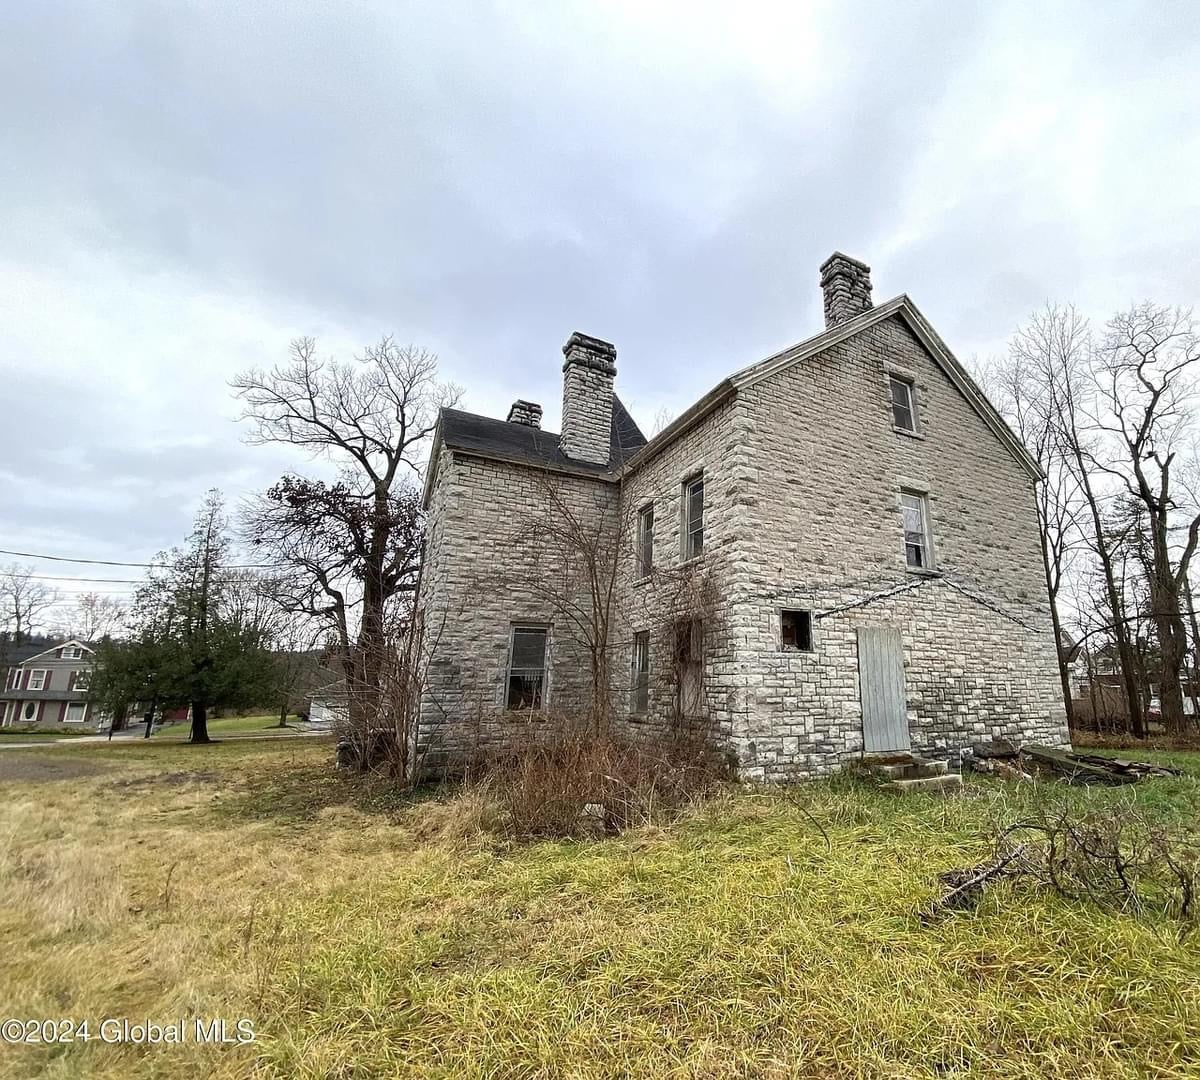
x=46 y=679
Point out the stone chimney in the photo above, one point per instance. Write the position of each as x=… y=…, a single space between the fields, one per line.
x=846 y=283
x=528 y=413
x=588 y=373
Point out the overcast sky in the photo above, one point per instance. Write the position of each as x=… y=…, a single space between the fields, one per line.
x=186 y=187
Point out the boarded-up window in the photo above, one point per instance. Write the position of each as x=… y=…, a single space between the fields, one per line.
x=645 y=541
x=796 y=630
x=641 y=673
x=526 y=667
x=693 y=517
x=689 y=667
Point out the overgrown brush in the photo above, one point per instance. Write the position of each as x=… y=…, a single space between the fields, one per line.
x=1125 y=741
x=570 y=783
x=1116 y=858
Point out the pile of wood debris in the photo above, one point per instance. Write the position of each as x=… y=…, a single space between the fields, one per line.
x=1002 y=758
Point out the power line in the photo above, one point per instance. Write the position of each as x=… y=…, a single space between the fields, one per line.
x=218 y=576
x=61 y=558
x=97 y=580
x=109 y=562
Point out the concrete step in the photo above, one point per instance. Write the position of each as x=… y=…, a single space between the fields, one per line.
x=911 y=770
x=894 y=757
x=944 y=783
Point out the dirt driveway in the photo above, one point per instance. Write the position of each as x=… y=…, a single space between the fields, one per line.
x=29 y=766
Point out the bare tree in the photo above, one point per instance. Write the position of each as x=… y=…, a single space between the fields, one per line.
x=24 y=600
x=1147 y=396
x=1028 y=388
x=348 y=548
x=94 y=616
x=1057 y=345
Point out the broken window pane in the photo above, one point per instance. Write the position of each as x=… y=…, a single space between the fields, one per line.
x=916 y=529
x=526 y=668
x=903 y=413
x=796 y=630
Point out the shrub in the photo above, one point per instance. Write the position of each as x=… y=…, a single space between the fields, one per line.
x=570 y=783
x=1116 y=858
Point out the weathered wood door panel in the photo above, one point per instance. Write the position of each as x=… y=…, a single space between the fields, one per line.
x=881 y=689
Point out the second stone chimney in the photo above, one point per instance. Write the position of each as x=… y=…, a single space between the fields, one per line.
x=588 y=373
x=528 y=413
x=846 y=283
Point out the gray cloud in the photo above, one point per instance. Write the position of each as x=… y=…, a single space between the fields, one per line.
x=184 y=187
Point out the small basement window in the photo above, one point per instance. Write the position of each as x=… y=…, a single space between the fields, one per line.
x=796 y=631
x=526 y=668
x=904 y=410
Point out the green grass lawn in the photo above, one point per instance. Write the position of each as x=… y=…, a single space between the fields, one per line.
x=235 y=725
x=372 y=933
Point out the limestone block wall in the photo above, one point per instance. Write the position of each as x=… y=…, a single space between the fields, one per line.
x=824 y=533
x=679 y=588
x=490 y=564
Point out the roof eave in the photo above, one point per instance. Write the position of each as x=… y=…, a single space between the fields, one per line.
x=969 y=388
x=608 y=475
x=902 y=306
x=720 y=393
x=62 y=645
x=432 y=467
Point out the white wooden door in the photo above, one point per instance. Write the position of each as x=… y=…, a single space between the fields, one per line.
x=881 y=690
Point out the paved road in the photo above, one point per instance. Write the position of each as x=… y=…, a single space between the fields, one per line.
x=127 y=736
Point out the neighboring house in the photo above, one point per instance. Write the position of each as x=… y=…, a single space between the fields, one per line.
x=49 y=689
x=328 y=706
x=834 y=551
x=12 y=655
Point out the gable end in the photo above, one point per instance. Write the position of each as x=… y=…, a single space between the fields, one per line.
x=907 y=311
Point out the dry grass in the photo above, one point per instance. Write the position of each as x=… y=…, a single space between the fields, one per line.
x=373 y=935
x=619 y=784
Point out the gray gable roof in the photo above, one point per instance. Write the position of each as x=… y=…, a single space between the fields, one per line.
x=488 y=437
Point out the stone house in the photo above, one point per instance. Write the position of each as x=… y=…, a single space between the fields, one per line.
x=833 y=552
